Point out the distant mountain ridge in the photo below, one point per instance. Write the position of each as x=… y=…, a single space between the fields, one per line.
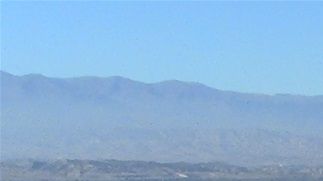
x=110 y=117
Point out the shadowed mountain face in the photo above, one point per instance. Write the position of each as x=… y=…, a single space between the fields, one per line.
x=91 y=117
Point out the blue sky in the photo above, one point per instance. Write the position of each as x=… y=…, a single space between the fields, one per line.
x=263 y=47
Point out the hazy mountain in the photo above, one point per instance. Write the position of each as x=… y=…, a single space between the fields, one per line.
x=115 y=117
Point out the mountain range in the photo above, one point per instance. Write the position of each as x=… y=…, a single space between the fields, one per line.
x=119 y=118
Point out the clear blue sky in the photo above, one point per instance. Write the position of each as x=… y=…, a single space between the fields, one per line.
x=262 y=47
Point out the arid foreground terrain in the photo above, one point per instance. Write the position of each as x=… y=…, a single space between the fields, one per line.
x=89 y=170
